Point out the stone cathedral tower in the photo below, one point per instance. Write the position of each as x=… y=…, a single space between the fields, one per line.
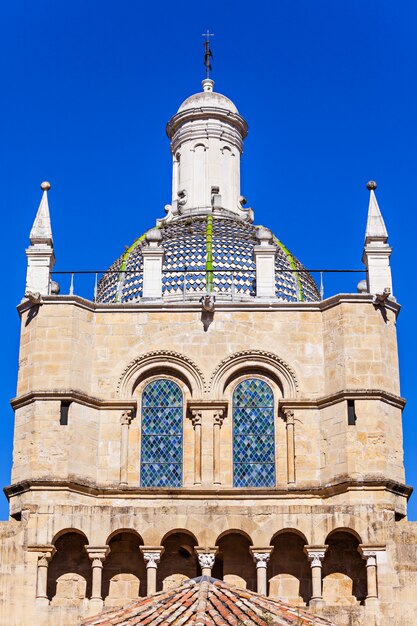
x=208 y=413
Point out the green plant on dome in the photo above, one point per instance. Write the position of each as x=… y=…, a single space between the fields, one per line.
x=209 y=254
x=293 y=264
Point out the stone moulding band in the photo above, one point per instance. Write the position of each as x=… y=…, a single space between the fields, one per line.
x=278 y=493
x=168 y=308
x=73 y=395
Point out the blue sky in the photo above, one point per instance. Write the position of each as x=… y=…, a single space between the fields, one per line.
x=328 y=89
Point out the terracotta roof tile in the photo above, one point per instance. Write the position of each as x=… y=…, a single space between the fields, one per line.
x=206 y=601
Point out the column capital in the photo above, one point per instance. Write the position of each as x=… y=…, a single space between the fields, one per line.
x=219 y=415
x=45 y=552
x=289 y=416
x=206 y=556
x=261 y=555
x=97 y=554
x=370 y=551
x=206 y=560
x=126 y=417
x=196 y=416
x=152 y=555
x=315 y=554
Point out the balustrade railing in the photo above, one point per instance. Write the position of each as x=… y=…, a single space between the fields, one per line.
x=225 y=282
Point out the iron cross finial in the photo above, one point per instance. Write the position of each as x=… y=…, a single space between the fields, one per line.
x=207 y=53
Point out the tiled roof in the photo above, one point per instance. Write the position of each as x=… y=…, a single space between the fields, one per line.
x=203 y=601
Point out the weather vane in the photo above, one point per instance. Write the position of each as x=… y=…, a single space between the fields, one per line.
x=207 y=54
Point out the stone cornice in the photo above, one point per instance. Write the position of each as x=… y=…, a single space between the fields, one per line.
x=72 y=395
x=180 y=306
x=279 y=493
x=206 y=113
x=343 y=394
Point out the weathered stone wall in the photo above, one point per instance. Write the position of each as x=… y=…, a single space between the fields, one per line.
x=338 y=478
x=68 y=349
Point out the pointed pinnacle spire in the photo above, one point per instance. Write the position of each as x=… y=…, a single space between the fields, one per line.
x=41 y=230
x=375 y=226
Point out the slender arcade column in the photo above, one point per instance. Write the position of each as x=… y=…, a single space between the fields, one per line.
x=206 y=558
x=97 y=556
x=196 y=419
x=42 y=576
x=315 y=554
x=218 y=418
x=289 y=419
x=369 y=554
x=371 y=578
x=152 y=556
x=125 y=420
x=261 y=557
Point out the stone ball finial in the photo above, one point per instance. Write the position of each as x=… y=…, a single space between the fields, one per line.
x=362 y=286
x=263 y=235
x=371 y=185
x=153 y=237
x=45 y=186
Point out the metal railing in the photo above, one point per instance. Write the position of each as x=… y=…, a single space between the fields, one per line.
x=84 y=283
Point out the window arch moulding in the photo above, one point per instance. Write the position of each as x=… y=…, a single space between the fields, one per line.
x=156 y=363
x=259 y=362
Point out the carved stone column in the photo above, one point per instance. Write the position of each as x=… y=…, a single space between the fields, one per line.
x=289 y=420
x=206 y=558
x=125 y=420
x=152 y=556
x=218 y=418
x=261 y=557
x=97 y=555
x=207 y=458
x=196 y=419
x=369 y=553
x=315 y=555
x=45 y=554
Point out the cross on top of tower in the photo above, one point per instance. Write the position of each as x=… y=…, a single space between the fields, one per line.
x=207 y=52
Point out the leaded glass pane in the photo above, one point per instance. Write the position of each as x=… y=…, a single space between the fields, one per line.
x=253 y=434
x=161 y=452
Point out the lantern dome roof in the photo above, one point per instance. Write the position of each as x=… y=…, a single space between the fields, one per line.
x=207 y=253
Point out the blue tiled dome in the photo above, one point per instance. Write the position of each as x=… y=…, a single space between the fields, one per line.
x=185 y=274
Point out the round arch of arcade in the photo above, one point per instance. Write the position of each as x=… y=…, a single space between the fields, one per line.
x=126 y=567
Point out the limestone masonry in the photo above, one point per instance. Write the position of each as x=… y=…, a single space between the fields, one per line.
x=208 y=413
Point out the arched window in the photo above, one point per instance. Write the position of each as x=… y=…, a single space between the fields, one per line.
x=161 y=451
x=253 y=434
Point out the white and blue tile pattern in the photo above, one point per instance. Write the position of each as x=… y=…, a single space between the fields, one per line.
x=184 y=269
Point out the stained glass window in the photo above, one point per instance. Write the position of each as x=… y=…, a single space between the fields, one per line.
x=161 y=452
x=253 y=434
